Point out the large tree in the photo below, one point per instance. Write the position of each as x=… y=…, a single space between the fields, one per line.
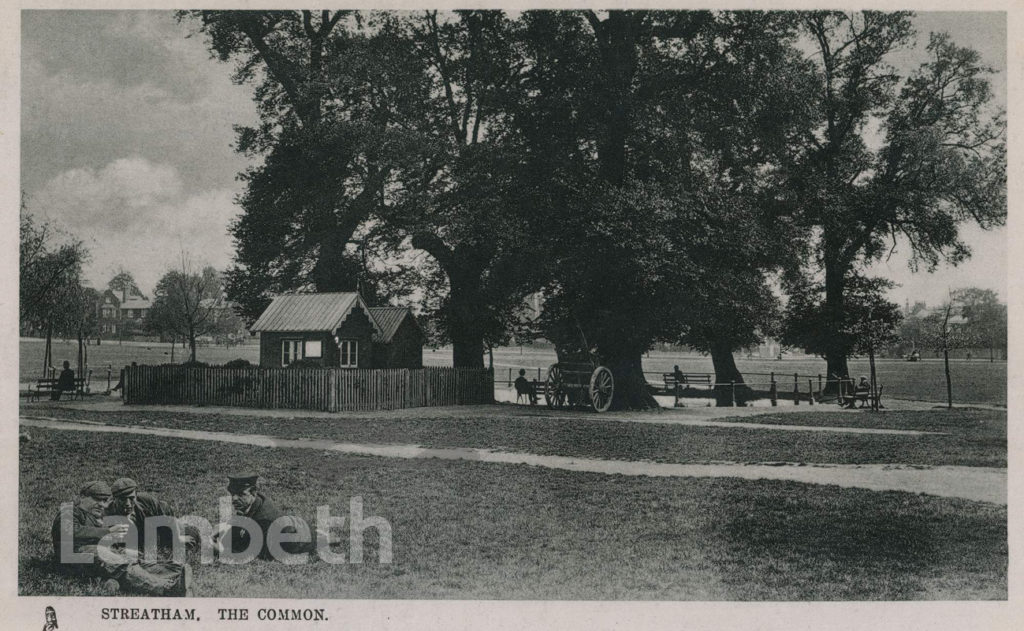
x=383 y=131
x=985 y=317
x=895 y=157
x=186 y=305
x=49 y=281
x=643 y=121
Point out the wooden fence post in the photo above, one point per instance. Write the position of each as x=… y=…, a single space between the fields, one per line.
x=796 y=389
x=810 y=391
x=732 y=392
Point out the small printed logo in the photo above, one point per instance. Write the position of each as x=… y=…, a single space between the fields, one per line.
x=51 y=619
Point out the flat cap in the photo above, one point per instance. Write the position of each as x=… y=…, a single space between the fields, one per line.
x=96 y=488
x=242 y=480
x=123 y=487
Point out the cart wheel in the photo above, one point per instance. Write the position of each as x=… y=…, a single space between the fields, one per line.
x=554 y=391
x=602 y=387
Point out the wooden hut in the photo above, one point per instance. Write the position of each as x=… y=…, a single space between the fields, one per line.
x=337 y=330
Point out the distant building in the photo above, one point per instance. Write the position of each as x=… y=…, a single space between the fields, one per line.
x=121 y=314
x=337 y=329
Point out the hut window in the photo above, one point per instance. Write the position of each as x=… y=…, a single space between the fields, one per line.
x=349 y=353
x=313 y=348
x=291 y=350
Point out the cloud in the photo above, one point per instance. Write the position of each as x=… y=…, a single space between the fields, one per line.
x=97 y=86
x=136 y=214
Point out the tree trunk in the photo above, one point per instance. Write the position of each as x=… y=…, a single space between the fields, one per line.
x=836 y=351
x=874 y=380
x=192 y=348
x=81 y=354
x=467 y=349
x=631 y=389
x=726 y=372
x=464 y=322
x=48 y=351
x=949 y=381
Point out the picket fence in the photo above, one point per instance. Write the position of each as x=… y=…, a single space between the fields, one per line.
x=326 y=389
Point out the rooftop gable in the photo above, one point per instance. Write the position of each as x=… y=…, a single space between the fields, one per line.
x=310 y=312
x=390 y=319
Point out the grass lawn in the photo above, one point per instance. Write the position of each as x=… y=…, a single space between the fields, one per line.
x=109 y=352
x=474 y=530
x=971 y=437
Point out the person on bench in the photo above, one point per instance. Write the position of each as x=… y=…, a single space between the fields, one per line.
x=678 y=376
x=524 y=387
x=65 y=382
x=861 y=392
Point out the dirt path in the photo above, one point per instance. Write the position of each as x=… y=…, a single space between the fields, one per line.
x=697 y=416
x=981 y=484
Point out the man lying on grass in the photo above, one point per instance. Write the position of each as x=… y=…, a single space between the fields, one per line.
x=278 y=535
x=88 y=544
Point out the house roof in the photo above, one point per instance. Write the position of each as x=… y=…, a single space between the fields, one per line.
x=134 y=302
x=310 y=312
x=389 y=319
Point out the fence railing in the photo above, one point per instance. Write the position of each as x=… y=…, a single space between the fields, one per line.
x=326 y=389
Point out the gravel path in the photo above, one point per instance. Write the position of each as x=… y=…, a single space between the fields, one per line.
x=981 y=484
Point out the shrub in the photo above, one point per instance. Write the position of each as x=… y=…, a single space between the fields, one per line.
x=305 y=363
x=238 y=363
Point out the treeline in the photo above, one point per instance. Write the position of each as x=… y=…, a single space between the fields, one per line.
x=653 y=173
x=54 y=300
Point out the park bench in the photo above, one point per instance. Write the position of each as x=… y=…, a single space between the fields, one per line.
x=540 y=388
x=685 y=379
x=850 y=397
x=47 y=386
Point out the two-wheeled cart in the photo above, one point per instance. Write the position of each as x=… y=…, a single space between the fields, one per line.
x=579 y=384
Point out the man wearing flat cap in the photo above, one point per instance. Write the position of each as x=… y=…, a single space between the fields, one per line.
x=85 y=529
x=86 y=543
x=248 y=501
x=138 y=507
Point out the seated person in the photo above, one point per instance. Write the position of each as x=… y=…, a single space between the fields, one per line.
x=524 y=387
x=65 y=382
x=79 y=528
x=138 y=506
x=678 y=376
x=860 y=392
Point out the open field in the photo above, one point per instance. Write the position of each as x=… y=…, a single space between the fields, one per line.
x=975 y=381
x=473 y=530
x=115 y=355
x=963 y=437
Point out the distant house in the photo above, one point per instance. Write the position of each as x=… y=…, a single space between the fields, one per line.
x=122 y=313
x=337 y=329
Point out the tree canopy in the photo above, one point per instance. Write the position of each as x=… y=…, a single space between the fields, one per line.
x=941 y=159
x=651 y=172
x=186 y=305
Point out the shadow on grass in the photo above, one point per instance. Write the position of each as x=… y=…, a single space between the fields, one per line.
x=784 y=532
x=44 y=577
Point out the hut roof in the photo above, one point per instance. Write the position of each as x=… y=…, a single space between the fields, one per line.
x=310 y=312
x=389 y=319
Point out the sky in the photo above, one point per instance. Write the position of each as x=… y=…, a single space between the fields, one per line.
x=127 y=143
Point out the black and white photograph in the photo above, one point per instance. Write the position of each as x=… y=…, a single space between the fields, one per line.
x=513 y=307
